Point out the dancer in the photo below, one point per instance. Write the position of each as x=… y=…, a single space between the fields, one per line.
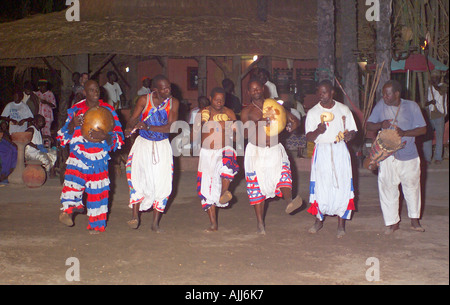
x=150 y=161
x=267 y=167
x=87 y=165
x=331 y=183
x=217 y=164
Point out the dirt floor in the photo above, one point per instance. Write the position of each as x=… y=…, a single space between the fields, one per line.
x=34 y=246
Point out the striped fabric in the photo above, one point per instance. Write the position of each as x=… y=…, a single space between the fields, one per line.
x=155 y=116
x=254 y=192
x=214 y=165
x=331 y=184
x=87 y=169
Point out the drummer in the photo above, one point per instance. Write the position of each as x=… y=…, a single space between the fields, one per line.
x=403 y=167
x=331 y=183
x=267 y=167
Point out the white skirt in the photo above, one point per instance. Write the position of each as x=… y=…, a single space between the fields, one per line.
x=267 y=164
x=150 y=173
x=211 y=170
x=331 y=183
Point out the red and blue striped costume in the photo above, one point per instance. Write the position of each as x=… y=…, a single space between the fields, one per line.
x=87 y=168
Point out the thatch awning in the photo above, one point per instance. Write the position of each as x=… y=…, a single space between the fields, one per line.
x=195 y=33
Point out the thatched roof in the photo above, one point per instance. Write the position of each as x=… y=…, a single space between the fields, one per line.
x=167 y=28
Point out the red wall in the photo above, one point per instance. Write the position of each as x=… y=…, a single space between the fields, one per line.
x=177 y=74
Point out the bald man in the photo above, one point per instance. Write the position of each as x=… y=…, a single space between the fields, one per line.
x=87 y=165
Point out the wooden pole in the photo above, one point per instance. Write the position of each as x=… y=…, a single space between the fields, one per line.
x=202 y=76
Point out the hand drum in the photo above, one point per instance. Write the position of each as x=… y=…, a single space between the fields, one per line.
x=97 y=118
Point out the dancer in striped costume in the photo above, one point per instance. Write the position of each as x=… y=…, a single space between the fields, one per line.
x=87 y=165
x=150 y=161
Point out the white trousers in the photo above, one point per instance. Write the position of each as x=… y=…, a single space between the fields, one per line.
x=47 y=159
x=150 y=173
x=391 y=173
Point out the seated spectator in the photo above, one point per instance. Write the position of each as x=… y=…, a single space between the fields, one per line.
x=8 y=153
x=17 y=114
x=35 y=150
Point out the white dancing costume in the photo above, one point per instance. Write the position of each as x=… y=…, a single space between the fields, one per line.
x=331 y=182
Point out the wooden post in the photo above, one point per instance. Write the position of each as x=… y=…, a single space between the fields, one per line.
x=236 y=76
x=66 y=90
x=82 y=63
x=132 y=77
x=163 y=62
x=202 y=76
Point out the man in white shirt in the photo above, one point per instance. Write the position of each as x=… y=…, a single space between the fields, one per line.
x=17 y=113
x=272 y=88
x=437 y=109
x=113 y=90
x=145 y=89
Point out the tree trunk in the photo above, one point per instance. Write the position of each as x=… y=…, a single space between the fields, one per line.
x=349 y=43
x=383 y=44
x=325 y=40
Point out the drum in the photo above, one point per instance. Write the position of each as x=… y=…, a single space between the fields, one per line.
x=386 y=143
x=34 y=175
x=277 y=116
x=97 y=118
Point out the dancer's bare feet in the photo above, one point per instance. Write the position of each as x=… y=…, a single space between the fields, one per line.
x=133 y=223
x=261 y=229
x=259 y=211
x=66 y=219
x=212 y=228
x=415 y=225
x=212 y=219
x=316 y=227
x=157 y=229
x=294 y=205
x=392 y=228
x=225 y=197
x=341 y=228
x=155 y=224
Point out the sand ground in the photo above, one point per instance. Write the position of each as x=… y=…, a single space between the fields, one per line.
x=34 y=246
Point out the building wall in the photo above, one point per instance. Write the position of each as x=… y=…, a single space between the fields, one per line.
x=178 y=75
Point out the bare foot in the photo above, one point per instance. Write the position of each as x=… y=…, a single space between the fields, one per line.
x=392 y=228
x=133 y=223
x=94 y=232
x=316 y=227
x=294 y=205
x=415 y=225
x=212 y=228
x=225 y=197
x=66 y=219
x=261 y=229
x=340 y=232
x=157 y=229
